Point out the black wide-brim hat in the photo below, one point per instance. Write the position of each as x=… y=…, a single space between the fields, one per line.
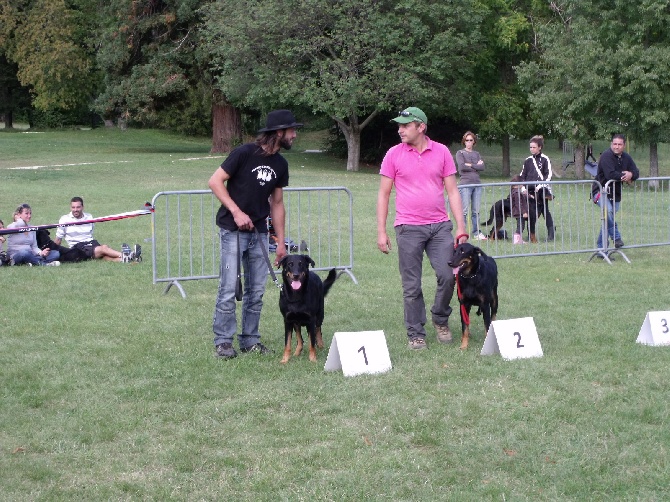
x=279 y=119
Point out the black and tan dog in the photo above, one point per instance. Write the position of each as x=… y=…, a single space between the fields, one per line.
x=301 y=303
x=477 y=284
x=500 y=211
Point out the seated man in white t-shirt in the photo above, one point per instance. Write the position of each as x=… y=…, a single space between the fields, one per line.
x=81 y=236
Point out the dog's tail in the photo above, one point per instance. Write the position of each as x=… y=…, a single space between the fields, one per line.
x=332 y=275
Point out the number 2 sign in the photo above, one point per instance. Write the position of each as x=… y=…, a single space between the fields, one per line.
x=513 y=339
x=655 y=329
x=358 y=352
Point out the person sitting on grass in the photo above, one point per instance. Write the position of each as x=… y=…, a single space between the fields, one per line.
x=81 y=237
x=4 y=258
x=22 y=246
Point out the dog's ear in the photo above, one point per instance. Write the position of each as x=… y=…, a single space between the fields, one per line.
x=280 y=263
x=309 y=260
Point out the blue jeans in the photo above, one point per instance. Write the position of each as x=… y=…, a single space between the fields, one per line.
x=612 y=229
x=255 y=275
x=438 y=243
x=471 y=198
x=27 y=256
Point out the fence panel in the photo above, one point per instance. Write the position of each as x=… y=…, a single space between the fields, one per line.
x=643 y=220
x=577 y=222
x=185 y=237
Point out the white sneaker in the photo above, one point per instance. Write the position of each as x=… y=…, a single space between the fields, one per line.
x=480 y=237
x=54 y=263
x=126 y=253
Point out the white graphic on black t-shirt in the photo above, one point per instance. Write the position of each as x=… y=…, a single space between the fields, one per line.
x=264 y=174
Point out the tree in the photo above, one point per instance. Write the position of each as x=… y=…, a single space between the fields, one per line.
x=347 y=59
x=48 y=42
x=149 y=56
x=502 y=108
x=602 y=69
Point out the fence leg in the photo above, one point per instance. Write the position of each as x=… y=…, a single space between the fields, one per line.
x=178 y=286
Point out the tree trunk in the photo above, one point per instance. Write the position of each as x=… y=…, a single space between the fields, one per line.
x=6 y=113
x=505 y=156
x=226 y=124
x=353 y=149
x=653 y=164
x=9 y=120
x=352 y=133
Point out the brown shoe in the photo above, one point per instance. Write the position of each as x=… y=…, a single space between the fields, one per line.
x=443 y=333
x=417 y=343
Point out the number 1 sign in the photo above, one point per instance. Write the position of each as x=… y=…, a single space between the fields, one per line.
x=655 y=329
x=513 y=339
x=358 y=352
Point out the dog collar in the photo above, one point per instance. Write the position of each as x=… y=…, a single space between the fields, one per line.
x=469 y=276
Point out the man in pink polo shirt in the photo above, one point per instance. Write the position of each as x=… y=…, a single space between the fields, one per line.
x=421 y=169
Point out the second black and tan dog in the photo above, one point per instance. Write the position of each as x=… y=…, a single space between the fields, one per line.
x=500 y=211
x=477 y=284
x=301 y=303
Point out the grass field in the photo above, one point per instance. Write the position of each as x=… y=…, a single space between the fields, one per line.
x=110 y=390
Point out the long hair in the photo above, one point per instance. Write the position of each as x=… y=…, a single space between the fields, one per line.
x=269 y=142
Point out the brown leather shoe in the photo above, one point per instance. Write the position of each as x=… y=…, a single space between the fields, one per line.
x=443 y=333
x=417 y=343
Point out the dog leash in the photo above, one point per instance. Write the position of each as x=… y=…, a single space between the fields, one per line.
x=267 y=260
x=464 y=312
x=239 y=294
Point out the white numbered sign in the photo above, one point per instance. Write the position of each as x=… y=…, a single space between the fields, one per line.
x=655 y=329
x=513 y=339
x=358 y=352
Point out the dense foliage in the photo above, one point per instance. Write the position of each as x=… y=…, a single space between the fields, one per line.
x=577 y=70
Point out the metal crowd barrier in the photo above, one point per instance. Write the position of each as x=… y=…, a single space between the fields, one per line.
x=643 y=220
x=185 y=237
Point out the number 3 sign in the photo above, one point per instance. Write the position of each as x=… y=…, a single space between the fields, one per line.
x=655 y=329
x=358 y=352
x=513 y=339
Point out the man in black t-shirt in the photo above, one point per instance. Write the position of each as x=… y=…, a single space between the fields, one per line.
x=249 y=184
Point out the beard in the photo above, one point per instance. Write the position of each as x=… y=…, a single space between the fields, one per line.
x=286 y=145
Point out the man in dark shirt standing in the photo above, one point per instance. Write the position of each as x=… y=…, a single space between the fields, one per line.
x=617 y=165
x=249 y=184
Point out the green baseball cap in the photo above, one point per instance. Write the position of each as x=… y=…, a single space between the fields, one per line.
x=411 y=114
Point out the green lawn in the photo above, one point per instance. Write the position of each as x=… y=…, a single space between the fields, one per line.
x=110 y=390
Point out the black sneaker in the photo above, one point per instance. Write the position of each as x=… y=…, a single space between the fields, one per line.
x=618 y=243
x=225 y=350
x=257 y=348
x=137 y=253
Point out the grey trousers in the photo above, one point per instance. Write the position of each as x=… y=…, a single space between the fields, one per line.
x=437 y=242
